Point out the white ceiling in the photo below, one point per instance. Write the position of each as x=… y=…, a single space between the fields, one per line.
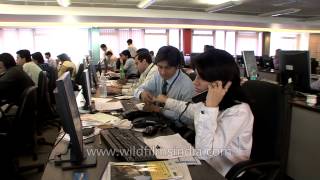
x=309 y=8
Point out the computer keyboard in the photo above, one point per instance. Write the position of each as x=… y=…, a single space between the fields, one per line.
x=127 y=146
x=128 y=105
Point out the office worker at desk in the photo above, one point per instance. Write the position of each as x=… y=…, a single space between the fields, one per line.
x=145 y=67
x=223 y=121
x=13 y=80
x=128 y=62
x=31 y=68
x=66 y=65
x=169 y=80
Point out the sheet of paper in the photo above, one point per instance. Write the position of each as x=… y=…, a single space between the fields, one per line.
x=123 y=97
x=101 y=100
x=170 y=147
x=99 y=117
x=192 y=160
x=109 y=106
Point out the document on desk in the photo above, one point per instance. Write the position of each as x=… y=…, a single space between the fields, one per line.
x=109 y=106
x=170 y=147
x=99 y=117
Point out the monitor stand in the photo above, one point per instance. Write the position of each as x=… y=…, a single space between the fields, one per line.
x=65 y=163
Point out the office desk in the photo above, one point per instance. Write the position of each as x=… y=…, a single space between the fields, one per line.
x=53 y=172
x=304 y=145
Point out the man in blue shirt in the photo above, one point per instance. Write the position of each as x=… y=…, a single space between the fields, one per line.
x=169 y=81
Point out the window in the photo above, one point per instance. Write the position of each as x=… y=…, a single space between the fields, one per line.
x=231 y=42
x=155 y=39
x=201 y=38
x=247 y=41
x=284 y=41
x=220 y=39
x=174 y=38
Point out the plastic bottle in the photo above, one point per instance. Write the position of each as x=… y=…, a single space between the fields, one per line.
x=122 y=74
x=103 y=87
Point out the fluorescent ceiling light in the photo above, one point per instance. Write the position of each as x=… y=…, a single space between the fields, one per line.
x=223 y=6
x=280 y=13
x=64 y=3
x=145 y=3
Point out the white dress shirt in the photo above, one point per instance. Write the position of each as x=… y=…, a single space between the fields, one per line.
x=223 y=138
x=148 y=74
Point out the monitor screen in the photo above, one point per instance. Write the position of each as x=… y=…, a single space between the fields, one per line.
x=86 y=90
x=295 y=65
x=250 y=64
x=187 y=60
x=69 y=113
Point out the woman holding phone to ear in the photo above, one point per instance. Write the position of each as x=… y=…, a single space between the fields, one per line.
x=223 y=121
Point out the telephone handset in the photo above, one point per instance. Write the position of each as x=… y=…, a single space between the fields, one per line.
x=203 y=95
x=200 y=97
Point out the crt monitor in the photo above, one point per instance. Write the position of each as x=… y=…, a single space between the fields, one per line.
x=69 y=113
x=250 y=64
x=295 y=65
x=86 y=90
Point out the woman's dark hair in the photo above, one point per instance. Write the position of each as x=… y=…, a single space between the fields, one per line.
x=169 y=54
x=38 y=57
x=63 y=57
x=7 y=60
x=219 y=65
x=24 y=53
x=126 y=53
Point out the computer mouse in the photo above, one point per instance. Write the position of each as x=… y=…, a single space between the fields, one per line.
x=150 y=131
x=143 y=122
x=87 y=131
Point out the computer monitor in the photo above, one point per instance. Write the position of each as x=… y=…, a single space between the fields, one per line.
x=187 y=60
x=70 y=117
x=86 y=90
x=295 y=65
x=182 y=62
x=267 y=62
x=250 y=64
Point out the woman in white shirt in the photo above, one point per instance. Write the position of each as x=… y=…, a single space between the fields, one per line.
x=223 y=122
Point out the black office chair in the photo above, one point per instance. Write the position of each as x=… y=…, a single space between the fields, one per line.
x=271 y=131
x=20 y=129
x=46 y=112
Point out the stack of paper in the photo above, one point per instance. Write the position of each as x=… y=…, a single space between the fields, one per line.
x=108 y=106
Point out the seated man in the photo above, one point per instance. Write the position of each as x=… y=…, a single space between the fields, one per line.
x=24 y=59
x=169 y=81
x=145 y=67
x=13 y=80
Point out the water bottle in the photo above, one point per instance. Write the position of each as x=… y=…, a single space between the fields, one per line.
x=122 y=74
x=103 y=87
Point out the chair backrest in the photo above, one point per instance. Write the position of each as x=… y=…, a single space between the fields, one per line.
x=272 y=114
x=24 y=123
x=45 y=108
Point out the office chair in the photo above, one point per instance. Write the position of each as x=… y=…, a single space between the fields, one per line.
x=46 y=112
x=20 y=129
x=271 y=133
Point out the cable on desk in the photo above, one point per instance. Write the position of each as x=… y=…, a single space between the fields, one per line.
x=57 y=144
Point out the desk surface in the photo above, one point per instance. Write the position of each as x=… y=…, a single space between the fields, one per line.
x=301 y=102
x=53 y=172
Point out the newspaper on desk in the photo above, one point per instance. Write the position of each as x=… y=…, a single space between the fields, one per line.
x=156 y=170
x=172 y=147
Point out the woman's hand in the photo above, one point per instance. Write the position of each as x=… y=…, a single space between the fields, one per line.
x=216 y=93
x=161 y=99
